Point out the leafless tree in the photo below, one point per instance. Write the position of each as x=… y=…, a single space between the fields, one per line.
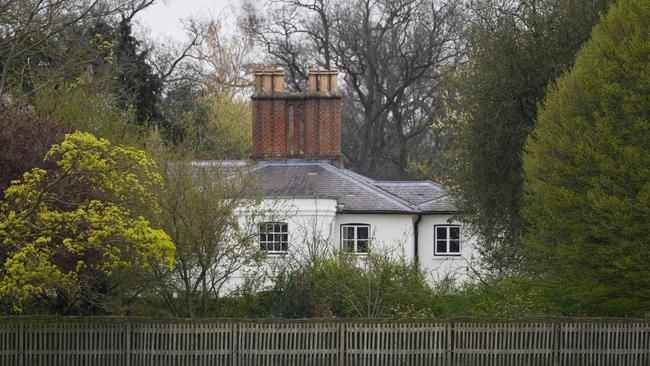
x=29 y=28
x=212 y=217
x=217 y=56
x=226 y=57
x=173 y=61
x=393 y=55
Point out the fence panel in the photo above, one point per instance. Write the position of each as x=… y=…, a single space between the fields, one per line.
x=187 y=344
x=288 y=343
x=392 y=343
x=10 y=343
x=468 y=342
x=604 y=344
x=503 y=343
x=72 y=343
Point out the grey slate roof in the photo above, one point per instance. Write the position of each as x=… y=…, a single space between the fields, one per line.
x=353 y=192
x=414 y=192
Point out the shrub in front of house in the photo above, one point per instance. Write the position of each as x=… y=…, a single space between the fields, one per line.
x=346 y=285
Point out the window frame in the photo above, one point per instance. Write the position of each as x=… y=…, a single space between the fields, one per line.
x=447 y=240
x=356 y=239
x=284 y=230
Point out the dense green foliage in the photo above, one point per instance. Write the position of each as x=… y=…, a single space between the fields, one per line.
x=383 y=287
x=84 y=107
x=209 y=125
x=342 y=285
x=587 y=173
x=515 y=50
x=73 y=237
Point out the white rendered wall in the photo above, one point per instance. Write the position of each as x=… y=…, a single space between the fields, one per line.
x=310 y=228
x=393 y=233
x=315 y=227
x=389 y=233
x=439 y=266
x=310 y=225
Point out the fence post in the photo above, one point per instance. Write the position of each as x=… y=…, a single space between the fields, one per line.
x=556 y=343
x=449 y=325
x=234 y=354
x=127 y=343
x=341 y=345
x=21 y=344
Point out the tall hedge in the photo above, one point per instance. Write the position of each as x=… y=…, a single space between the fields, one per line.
x=587 y=173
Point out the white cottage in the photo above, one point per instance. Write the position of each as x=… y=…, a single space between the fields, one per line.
x=298 y=170
x=323 y=201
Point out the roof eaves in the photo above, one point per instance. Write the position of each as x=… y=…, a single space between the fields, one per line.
x=441 y=212
x=380 y=212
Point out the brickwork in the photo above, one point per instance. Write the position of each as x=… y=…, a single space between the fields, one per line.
x=316 y=117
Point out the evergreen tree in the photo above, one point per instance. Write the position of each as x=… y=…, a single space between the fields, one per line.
x=515 y=50
x=587 y=173
x=119 y=56
x=137 y=84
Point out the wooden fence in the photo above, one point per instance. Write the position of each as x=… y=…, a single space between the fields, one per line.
x=459 y=342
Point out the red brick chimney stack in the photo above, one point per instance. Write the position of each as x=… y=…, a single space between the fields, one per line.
x=296 y=125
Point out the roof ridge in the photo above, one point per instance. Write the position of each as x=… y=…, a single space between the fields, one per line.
x=445 y=194
x=355 y=174
x=421 y=182
x=372 y=188
x=295 y=162
x=398 y=197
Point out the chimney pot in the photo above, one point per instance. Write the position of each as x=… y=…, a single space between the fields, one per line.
x=259 y=76
x=278 y=80
x=268 y=80
x=312 y=85
x=324 y=81
x=334 y=80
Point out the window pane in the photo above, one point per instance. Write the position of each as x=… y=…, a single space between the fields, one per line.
x=441 y=246
x=441 y=232
x=285 y=238
x=284 y=247
x=284 y=228
x=454 y=246
x=348 y=245
x=362 y=232
x=362 y=246
x=454 y=233
x=348 y=232
x=263 y=246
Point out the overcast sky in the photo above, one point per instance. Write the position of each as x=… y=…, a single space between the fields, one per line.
x=163 y=19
